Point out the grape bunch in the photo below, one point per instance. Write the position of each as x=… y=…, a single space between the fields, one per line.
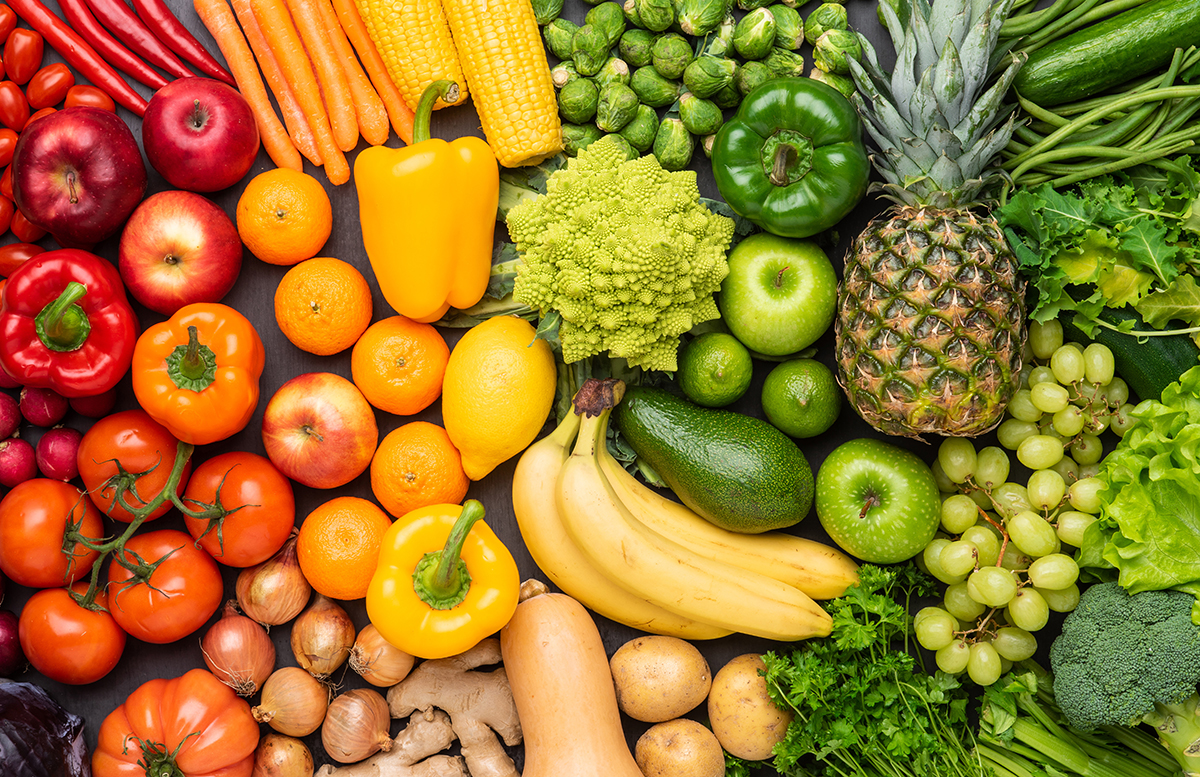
x=1000 y=550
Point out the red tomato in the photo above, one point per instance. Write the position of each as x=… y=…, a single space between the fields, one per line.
x=49 y=86
x=39 y=114
x=14 y=108
x=81 y=94
x=33 y=523
x=25 y=230
x=8 y=21
x=6 y=182
x=8 y=144
x=178 y=597
x=14 y=255
x=22 y=54
x=66 y=642
x=7 y=209
x=256 y=510
x=146 y=452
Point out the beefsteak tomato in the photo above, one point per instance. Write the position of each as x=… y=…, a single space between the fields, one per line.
x=33 y=523
x=176 y=588
x=66 y=642
x=250 y=508
x=128 y=451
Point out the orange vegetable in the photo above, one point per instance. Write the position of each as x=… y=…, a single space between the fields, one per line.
x=335 y=87
x=368 y=107
x=398 y=111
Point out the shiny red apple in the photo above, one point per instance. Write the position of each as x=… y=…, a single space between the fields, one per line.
x=179 y=248
x=200 y=134
x=78 y=174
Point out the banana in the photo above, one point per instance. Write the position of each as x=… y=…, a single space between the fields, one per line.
x=821 y=571
x=555 y=553
x=650 y=565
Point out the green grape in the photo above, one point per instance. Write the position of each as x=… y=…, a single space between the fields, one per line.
x=1098 y=364
x=992 y=586
x=986 y=542
x=1048 y=397
x=1069 y=421
x=1014 y=560
x=1032 y=534
x=1026 y=368
x=1005 y=665
x=933 y=564
x=1041 y=374
x=957 y=457
x=1013 y=432
x=1045 y=338
x=981 y=498
x=1087 y=449
x=1086 y=394
x=1011 y=498
x=935 y=631
x=953 y=658
x=1084 y=495
x=1116 y=392
x=1028 y=610
x=926 y=612
x=1040 y=451
x=1046 y=489
x=991 y=467
x=1067 y=365
x=957 y=558
x=1072 y=525
x=959 y=513
x=944 y=484
x=1121 y=421
x=1046 y=427
x=1014 y=644
x=983 y=666
x=958 y=602
x=1053 y=572
x=1021 y=405
x=1067 y=469
x=1065 y=600
x=1096 y=422
x=1089 y=470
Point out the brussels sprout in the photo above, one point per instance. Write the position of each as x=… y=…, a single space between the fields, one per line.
x=673 y=145
x=700 y=17
x=706 y=144
x=699 y=116
x=653 y=89
x=784 y=64
x=576 y=137
x=657 y=15
x=641 y=129
x=615 y=71
x=546 y=11
x=671 y=55
x=843 y=84
x=630 y=10
x=610 y=20
x=593 y=2
x=789 y=27
x=636 y=47
x=832 y=48
x=630 y=151
x=752 y=75
x=558 y=35
x=616 y=108
x=589 y=49
x=577 y=100
x=755 y=34
x=750 y=5
x=827 y=16
x=727 y=97
x=707 y=75
x=720 y=43
x=563 y=73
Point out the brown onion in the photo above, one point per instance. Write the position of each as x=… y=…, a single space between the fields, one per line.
x=238 y=651
x=274 y=591
x=282 y=756
x=379 y=662
x=322 y=637
x=293 y=702
x=356 y=726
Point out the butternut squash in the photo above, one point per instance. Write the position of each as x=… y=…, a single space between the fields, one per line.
x=564 y=691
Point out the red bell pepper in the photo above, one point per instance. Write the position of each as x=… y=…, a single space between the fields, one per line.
x=66 y=325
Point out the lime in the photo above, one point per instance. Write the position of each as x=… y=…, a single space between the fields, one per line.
x=801 y=398
x=715 y=369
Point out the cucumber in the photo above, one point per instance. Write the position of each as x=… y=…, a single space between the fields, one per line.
x=1148 y=367
x=1109 y=52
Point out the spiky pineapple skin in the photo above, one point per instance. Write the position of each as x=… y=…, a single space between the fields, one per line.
x=931 y=323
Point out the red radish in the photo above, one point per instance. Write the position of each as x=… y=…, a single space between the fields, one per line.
x=96 y=406
x=12 y=658
x=56 y=453
x=10 y=415
x=17 y=462
x=43 y=406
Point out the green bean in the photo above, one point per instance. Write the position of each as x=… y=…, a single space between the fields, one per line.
x=1130 y=161
x=1024 y=24
x=1048 y=33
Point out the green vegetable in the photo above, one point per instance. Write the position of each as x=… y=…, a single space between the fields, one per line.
x=750 y=5
x=578 y=137
x=843 y=84
x=789 y=27
x=635 y=47
x=671 y=55
x=558 y=35
x=827 y=16
x=832 y=48
x=657 y=15
x=609 y=19
x=727 y=97
x=706 y=76
x=652 y=89
x=624 y=252
x=615 y=71
x=784 y=64
x=700 y=17
x=593 y=2
x=578 y=99
x=589 y=49
x=706 y=145
x=699 y=116
x=641 y=129
x=631 y=13
x=562 y=73
x=720 y=42
x=626 y=149
x=546 y=11
x=755 y=34
x=750 y=76
x=673 y=145
x=618 y=104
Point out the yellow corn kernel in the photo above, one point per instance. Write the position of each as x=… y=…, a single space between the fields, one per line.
x=413 y=38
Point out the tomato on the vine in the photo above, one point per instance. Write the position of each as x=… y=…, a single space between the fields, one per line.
x=49 y=86
x=66 y=642
x=256 y=513
x=140 y=445
x=176 y=598
x=91 y=96
x=33 y=523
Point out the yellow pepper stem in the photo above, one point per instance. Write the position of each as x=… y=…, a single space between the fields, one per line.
x=446 y=91
x=441 y=579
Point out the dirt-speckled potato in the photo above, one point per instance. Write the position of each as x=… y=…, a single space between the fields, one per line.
x=659 y=678
x=747 y=723
x=679 y=748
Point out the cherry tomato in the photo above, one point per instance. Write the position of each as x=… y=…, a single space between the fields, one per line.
x=81 y=94
x=8 y=144
x=178 y=597
x=67 y=643
x=14 y=255
x=33 y=521
x=8 y=21
x=257 y=508
x=39 y=114
x=141 y=445
x=49 y=86
x=7 y=209
x=23 y=54
x=25 y=230
x=14 y=108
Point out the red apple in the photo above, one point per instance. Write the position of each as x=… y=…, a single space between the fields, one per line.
x=78 y=174
x=179 y=248
x=199 y=133
x=319 y=430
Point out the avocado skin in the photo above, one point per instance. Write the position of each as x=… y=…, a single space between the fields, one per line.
x=738 y=472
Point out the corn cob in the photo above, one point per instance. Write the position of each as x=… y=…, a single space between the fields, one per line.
x=413 y=38
x=505 y=64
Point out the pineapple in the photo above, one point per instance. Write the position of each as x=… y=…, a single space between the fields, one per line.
x=931 y=319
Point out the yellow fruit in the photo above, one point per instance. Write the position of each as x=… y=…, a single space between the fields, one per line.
x=497 y=392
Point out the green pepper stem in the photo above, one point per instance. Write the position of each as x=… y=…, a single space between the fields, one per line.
x=441 y=579
x=445 y=90
x=62 y=325
x=192 y=366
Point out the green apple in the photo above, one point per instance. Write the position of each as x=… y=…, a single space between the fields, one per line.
x=780 y=294
x=878 y=502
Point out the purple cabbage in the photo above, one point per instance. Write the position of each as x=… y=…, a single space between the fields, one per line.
x=38 y=738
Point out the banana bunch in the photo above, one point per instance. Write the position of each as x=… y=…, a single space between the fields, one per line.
x=638 y=558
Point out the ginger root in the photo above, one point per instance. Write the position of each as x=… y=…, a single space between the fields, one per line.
x=478 y=703
x=412 y=753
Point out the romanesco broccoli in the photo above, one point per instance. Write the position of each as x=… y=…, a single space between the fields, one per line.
x=625 y=252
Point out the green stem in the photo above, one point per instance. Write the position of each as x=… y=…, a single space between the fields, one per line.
x=441 y=579
x=445 y=90
x=62 y=325
x=192 y=366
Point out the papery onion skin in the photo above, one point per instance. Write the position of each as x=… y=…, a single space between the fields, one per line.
x=322 y=637
x=279 y=755
x=275 y=591
x=293 y=702
x=380 y=663
x=238 y=651
x=356 y=726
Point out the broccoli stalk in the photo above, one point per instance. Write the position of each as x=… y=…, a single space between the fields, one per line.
x=1178 y=727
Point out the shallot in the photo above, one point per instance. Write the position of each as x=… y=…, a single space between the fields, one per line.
x=322 y=637
x=17 y=462
x=56 y=453
x=293 y=702
x=275 y=591
x=238 y=651
x=43 y=406
x=356 y=726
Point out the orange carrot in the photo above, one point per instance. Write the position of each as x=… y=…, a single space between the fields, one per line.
x=276 y=25
x=356 y=31
x=335 y=87
x=218 y=18
x=372 y=116
x=293 y=114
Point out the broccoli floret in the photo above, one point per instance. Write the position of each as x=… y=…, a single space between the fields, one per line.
x=1125 y=659
x=625 y=252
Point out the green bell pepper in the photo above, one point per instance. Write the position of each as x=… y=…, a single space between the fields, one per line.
x=792 y=160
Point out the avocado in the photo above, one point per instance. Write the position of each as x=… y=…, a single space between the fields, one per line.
x=739 y=472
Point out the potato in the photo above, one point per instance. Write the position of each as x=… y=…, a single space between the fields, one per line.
x=679 y=748
x=659 y=678
x=744 y=718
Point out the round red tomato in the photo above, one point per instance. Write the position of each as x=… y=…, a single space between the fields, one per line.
x=182 y=593
x=33 y=522
x=66 y=642
x=256 y=510
x=141 y=445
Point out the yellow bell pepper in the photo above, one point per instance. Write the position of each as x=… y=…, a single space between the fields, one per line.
x=428 y=216
x=444 y=581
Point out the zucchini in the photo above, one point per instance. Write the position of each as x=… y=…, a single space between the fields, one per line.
x=1148 y=365
x=1109 y=52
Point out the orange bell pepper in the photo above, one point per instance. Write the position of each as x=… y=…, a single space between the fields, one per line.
x=197 y=372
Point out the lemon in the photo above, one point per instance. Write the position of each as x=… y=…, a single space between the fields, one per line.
x=497 y=392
